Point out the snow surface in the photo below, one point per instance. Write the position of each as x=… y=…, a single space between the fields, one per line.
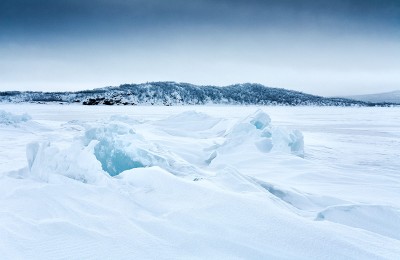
x=212 y=182
x=7 y=118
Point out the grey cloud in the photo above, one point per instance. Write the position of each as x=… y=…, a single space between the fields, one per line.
x=313 y=45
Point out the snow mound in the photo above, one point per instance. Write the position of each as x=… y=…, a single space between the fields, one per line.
x=191 y=123
x=192 y=116
x=124 y=118
x=256 y=131
x=7 y=118
x=104 y=149
x=113 y=147
x=297 y=199
x=383 y=220
x=45 y=161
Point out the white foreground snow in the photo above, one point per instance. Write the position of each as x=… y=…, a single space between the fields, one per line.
x=204 y=182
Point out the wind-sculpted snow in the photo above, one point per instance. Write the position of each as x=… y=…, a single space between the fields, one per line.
x=191 y=123
x=257 y=132
x=117 y=147
x=46 y=161
x=383 y=220
x=208 y=183
x=7 y=118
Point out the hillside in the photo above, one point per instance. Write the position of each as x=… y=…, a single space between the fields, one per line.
x=389 y=97
x=172 y=93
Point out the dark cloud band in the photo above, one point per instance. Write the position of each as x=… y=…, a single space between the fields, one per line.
x=51 y=17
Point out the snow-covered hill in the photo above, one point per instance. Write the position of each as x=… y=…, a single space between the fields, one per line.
x=172 y=93
x=388 y=97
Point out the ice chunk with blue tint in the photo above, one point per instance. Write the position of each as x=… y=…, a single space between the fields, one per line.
x=119 y=148
x=260 y=120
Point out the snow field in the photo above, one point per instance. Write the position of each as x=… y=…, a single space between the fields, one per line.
x=199 y=182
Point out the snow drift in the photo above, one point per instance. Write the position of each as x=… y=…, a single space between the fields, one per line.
x=368 y=217
x=7 y=118
x=255 y=134
x=117 y=147
x=215 y=183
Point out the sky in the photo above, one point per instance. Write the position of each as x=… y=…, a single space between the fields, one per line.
x=329 y=48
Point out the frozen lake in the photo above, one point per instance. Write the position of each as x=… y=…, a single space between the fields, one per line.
x=200 y=182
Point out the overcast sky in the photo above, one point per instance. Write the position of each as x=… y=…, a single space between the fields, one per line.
x=340 y=47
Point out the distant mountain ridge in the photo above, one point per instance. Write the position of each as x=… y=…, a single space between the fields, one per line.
x=389 y=97
x=172 y=93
